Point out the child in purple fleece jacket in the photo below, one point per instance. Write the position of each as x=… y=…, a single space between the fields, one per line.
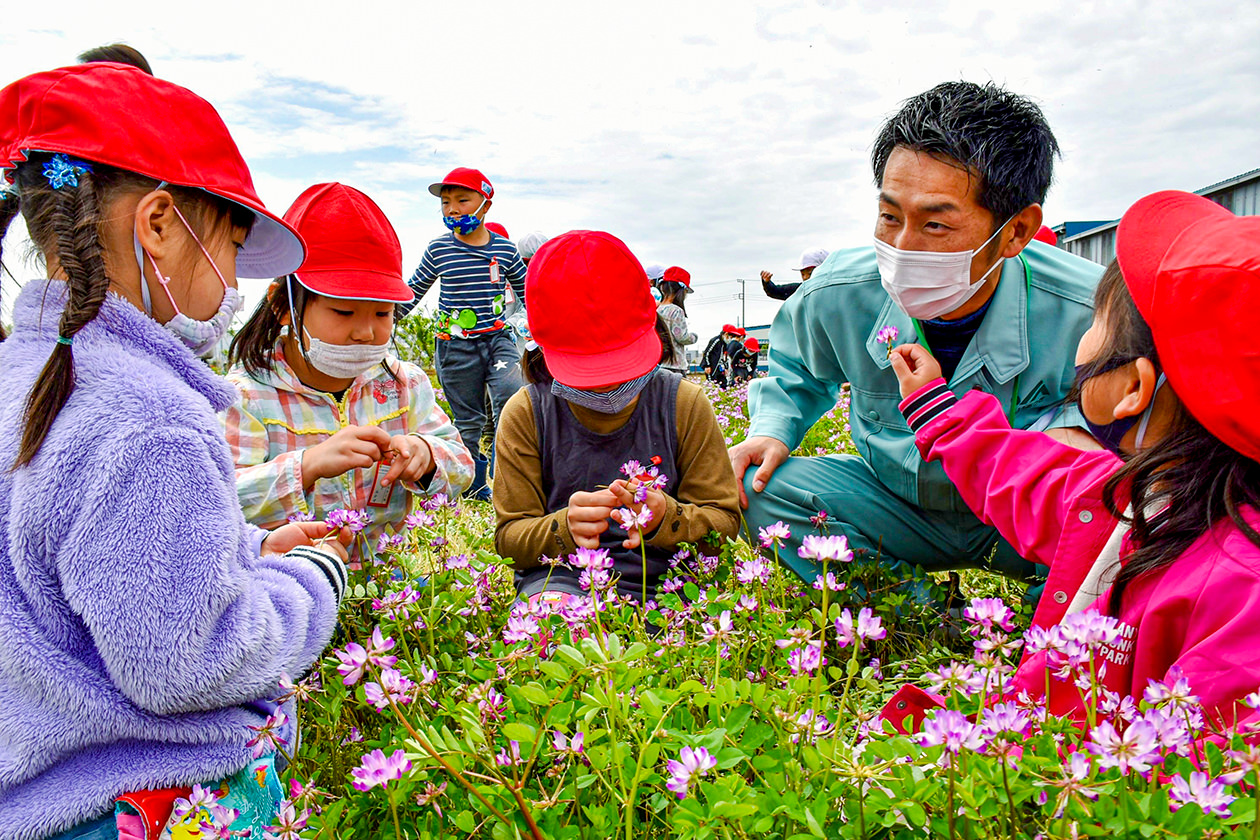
x=144 y=625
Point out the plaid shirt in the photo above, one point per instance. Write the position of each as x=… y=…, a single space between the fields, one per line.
x=276 y=417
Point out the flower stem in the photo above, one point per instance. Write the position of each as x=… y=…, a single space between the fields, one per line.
x=393 y=806
x=949 y=803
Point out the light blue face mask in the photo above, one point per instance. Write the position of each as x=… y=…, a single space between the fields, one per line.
x=609 y=402
x=465 y=223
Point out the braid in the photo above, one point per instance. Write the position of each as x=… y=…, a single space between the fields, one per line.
x=74 y=222
x=9 y=207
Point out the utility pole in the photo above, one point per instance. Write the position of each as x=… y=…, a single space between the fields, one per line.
x=743 y=301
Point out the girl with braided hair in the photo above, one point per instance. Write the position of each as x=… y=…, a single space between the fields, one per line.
x=145 y=627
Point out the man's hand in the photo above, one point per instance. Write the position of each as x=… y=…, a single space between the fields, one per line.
x=765 y=276
x=656 y=501
x=914 y=366
x=306 y=533
x=767 y=452
x=352 y=447
x=412 y=459
x=588 y=514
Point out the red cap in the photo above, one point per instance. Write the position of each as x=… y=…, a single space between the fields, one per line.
x=674 y=274
x=1046 y=235
x=120 y=116
x=1193 y=269
x=498 y=228
x=591 y=310
x=462 y=176
x=753 y=345
x=352 y=250
x=733 y=330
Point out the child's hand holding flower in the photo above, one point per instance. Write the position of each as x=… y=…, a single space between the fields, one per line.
x=307 y=533
x=412 y=459
x=655 y=501
x=914 y=366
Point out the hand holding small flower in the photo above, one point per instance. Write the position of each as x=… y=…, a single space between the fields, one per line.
x=410 y=459
x=654 y=501
x=914 y=366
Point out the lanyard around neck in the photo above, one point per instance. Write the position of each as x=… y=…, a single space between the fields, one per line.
x=1010 y=412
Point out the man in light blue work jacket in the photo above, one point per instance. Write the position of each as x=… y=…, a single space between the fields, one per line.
x=962 y=172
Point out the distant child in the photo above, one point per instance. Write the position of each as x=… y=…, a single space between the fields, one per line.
x=675 y=286
x=480 y=271
x=145 y=626
x=1161 y=529
x=327 y=419
x=744 y=360
x=599 y=399
x=716 y=361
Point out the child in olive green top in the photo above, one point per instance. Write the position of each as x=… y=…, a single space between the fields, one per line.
x=598 y=401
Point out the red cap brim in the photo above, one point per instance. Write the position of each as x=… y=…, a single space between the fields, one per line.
x=357 y=285
x=611 y=367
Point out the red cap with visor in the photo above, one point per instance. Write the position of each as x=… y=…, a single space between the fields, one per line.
x=462 y=176
x=591 y=310
x=120 y=116
x=1193 y=269
x=353 y=252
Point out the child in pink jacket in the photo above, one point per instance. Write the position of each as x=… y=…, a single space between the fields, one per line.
x=1159 y=529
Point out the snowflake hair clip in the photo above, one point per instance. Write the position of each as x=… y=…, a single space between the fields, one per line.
x=62 y=171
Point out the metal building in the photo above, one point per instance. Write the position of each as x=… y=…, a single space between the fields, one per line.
x=1096 y=241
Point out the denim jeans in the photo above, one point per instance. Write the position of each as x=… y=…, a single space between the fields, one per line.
x=466 y=369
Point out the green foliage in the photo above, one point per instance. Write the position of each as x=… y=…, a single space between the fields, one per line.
x=497 y=694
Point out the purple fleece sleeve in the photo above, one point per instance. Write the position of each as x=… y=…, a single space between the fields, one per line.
x=166 y=576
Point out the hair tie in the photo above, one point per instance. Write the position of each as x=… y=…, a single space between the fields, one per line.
x=61 y=339
x=62 y=170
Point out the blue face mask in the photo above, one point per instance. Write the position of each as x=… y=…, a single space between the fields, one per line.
x=1110 y=434
x=465 y=223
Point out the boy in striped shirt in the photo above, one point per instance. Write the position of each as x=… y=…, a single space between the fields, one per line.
x=480 y=271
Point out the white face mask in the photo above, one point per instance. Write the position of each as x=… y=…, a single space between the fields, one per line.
x=198 y=336
x=929 y=284
x=340 y=361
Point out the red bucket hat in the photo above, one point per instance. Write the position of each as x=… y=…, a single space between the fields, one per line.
x=353 y=252
x=591 y=310
x=674 y=274
x=753 y=345
x=462 y=176
x=1193 y=269
x=498 y=228
x=118 y=115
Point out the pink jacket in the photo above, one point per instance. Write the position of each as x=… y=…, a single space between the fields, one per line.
x=1045 y=498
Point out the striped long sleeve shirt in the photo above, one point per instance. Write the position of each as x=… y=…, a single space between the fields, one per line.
x=466 y=277
x=276 y=417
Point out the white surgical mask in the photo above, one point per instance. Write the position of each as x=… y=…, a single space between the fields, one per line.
x=198 y=336
x=929 y=284
x=340 y=361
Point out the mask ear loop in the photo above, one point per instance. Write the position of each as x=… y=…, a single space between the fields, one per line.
x=288 y=287
x=196 y=239
x=1146 y=415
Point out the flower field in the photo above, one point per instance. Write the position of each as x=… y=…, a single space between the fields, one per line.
x=743 y=703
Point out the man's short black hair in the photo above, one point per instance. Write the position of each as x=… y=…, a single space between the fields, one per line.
x=999 y=136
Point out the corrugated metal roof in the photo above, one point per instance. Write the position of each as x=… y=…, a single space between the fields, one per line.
x=1221 y=186
x=1253 y=175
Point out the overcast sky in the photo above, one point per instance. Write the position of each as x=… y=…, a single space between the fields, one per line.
x=724 y=137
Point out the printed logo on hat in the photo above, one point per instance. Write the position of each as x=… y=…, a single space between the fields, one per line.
x=487 y=190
